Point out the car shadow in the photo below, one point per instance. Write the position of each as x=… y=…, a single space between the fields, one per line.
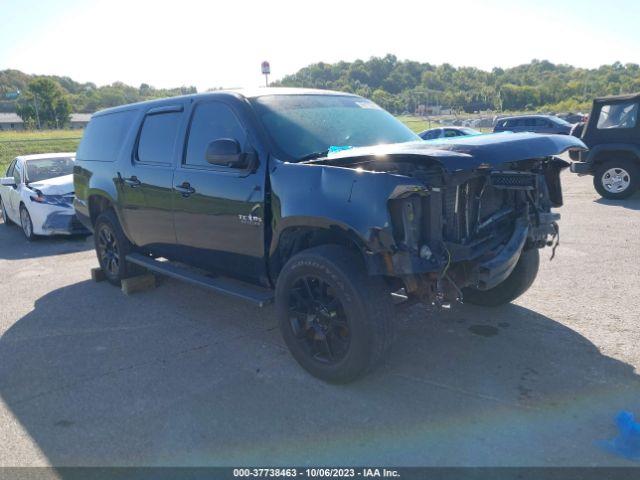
x=180 y=377
x=14 y=246
x=632 y=203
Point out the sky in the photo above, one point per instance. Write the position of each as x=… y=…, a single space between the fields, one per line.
x=221 y=44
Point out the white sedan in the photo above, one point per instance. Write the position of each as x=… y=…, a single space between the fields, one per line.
x=37 y=194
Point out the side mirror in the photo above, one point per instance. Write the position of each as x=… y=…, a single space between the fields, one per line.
x=226 y=152
x=8 y=181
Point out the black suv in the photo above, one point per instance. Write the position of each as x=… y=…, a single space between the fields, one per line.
x=533 y=123
x=322 y=201
x=613 y=137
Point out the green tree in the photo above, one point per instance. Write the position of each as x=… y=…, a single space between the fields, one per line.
x=45 y=104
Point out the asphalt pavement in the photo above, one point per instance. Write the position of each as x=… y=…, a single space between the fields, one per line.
x=180 y=376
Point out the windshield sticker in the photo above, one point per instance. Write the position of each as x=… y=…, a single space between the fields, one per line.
x=338 y=148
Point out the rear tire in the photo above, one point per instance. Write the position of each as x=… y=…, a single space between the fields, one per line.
x=616 y=179
x=336 y=320
x=112 y=247
x=26 y=224
x=512 y=287
x=5 y=218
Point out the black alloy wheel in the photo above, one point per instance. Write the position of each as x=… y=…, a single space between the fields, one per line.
x=108 y=250
x=318 y=320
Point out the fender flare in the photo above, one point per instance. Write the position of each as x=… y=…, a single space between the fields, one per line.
x=316 y=223
x=103 y=194
x=334 y=230
x=618 y=147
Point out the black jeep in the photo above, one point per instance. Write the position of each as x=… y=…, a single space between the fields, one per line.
x=613 y=137
x=322 y=201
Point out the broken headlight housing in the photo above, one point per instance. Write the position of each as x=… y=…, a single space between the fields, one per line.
x=406 y=215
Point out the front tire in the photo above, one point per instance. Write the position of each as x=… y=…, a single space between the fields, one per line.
x=335 y=319
x=616 y=179
x=112 y=247
x=518 y=282
x=26 y=224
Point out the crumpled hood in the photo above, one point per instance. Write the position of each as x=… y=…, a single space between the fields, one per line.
x=54 y=186
x=468 y=153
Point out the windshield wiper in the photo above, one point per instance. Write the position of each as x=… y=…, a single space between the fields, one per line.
x=313 y=156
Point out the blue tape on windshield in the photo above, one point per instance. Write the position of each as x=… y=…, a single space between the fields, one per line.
x=338 y=148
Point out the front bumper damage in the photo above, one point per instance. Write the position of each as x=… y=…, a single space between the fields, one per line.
x=473 y=229
x=490 y=273
x=63 y=223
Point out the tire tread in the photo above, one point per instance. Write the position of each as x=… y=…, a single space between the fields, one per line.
x=372 y=297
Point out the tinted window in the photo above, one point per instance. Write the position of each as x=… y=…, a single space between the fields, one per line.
x=451 y=133
x=513 y=123
x=158 y=137
x=531 y=122
x=104 y=136
x=428 y=134
x=211 y=121
x=559 y=121
x=618 y=115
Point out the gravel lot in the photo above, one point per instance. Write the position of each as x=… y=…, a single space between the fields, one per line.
x=180 y=376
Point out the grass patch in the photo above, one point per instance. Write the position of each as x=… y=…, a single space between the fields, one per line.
x=420 y=124
x=13 y=144
x=416 y=124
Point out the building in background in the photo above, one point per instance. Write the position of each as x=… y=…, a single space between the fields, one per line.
x=11 y=121
x=79 y=120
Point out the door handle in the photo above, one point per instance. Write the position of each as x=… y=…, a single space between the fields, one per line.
x=132 y=181
x=185 y=189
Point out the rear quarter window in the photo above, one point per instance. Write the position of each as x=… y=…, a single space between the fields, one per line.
x=104 y=136
x=158 y=138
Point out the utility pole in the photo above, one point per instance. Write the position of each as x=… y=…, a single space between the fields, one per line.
x=35 y=102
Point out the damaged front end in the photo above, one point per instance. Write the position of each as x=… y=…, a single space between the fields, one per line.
x=480 y=207
x=469 y=229
x=62 y=223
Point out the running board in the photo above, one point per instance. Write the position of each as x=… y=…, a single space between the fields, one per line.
x=227 y=286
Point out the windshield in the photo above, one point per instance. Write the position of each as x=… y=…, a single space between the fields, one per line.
x=38 y=170
x=302 y=125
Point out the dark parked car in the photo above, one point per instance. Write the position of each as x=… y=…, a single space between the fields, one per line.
x=612 y=134
x=533 y=123
x=572 y=118
x=447 y=132
x=245 y=185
